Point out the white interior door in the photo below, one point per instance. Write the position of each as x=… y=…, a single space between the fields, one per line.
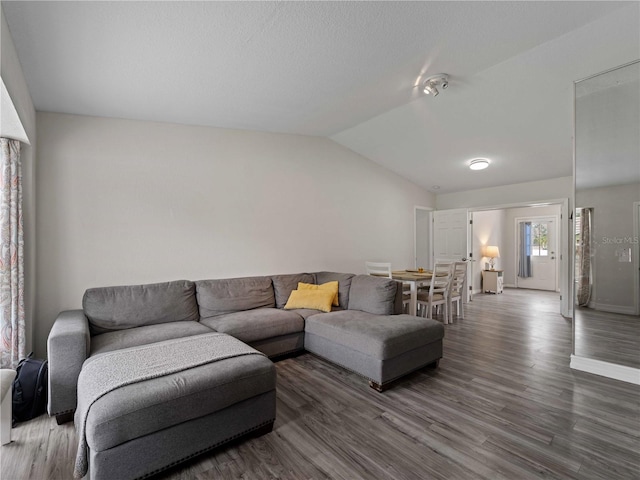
x=541 y=243
x=451 y=235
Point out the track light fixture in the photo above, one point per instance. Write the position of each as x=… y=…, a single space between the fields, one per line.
x=431 y=84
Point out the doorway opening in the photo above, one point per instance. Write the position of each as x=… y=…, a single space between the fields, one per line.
x=494 y=225
x=536 y=253
x=497 y=226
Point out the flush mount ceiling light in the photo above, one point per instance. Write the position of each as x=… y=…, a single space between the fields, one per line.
x=479 y=163
x=431 y=84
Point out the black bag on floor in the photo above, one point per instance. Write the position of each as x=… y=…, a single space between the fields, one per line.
x=30 y=389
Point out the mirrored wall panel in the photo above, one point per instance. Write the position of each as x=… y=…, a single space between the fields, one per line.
x=607 y=217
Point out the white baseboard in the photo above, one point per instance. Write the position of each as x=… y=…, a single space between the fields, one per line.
x=603 y=307
x=606 y=369
x=506 y=285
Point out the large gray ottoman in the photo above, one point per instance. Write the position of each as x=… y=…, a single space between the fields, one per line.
x=140 y=429
x=380 y=348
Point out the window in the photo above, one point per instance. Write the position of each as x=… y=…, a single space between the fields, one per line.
x=537 y=240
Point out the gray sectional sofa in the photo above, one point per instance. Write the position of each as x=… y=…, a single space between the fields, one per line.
x=367 y=333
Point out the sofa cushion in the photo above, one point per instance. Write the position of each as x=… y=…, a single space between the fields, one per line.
x=146 y=407
x=134 y=337
x=219 y=297
x=344 y=284
x=257 y=324
x=373 y=295
x=118 y=308
x=315 y=299
x=378 y=336
x=284 y=284
x=307 y=312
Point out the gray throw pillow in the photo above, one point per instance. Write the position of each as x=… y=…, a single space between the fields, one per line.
x=344 y=284
x=284 y=284
x=373 y=295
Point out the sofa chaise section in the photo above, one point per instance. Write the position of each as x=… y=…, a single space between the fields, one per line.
x=143 y=427
x=370 y=339
x=113 y=318
x=377 y=347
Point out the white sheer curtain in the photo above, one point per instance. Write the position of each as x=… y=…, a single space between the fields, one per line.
x=583 y=258
x=524 y=253
x=12 y=321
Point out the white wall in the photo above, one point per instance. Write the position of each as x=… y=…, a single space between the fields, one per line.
x=13 y=77
x=488 y=229
x=129 y=202
x=529 y=192
x=612 y=231
x=607 y=126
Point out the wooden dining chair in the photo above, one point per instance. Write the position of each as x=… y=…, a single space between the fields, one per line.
x=457 y=289
x=438 y=292
x=383 y=269
x=442 y=263
x=378 y=269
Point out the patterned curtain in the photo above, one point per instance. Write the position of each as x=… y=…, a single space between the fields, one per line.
x=583 y=258
x=524 y=254
x=12 y=321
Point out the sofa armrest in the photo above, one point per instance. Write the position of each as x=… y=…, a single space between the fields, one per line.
x=67 y=347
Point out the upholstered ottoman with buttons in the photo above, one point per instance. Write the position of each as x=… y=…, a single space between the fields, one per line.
x=381 y=348
x=146 y=408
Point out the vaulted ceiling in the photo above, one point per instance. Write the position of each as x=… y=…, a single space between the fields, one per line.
x=346 y=70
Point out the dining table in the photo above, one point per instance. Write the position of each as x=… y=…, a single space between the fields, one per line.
x=415 y=279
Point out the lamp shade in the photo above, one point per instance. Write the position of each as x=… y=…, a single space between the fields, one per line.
x=491 y=251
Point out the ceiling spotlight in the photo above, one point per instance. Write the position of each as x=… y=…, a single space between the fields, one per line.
x=430 y=89
x=431 y=84
x=479 y=163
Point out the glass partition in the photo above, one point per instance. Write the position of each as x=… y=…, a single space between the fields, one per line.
x=607 y=217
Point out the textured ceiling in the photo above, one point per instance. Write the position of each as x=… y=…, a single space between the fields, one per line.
x=341 y=69
x=518 y=113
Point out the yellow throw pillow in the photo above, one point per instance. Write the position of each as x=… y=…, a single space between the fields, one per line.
x=331 y=286
x=314 y=299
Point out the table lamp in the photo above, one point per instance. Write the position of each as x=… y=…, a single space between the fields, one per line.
x=492 y=252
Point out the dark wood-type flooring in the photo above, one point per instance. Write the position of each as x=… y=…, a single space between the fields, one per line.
x=608 y=337
x=502 y=405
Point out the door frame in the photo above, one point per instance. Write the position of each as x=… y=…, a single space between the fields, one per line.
x=565 y=252
x=517 y=249
x=429 y=210
x=636 y=257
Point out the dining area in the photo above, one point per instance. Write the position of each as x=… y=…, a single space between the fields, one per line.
x=430 y=293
